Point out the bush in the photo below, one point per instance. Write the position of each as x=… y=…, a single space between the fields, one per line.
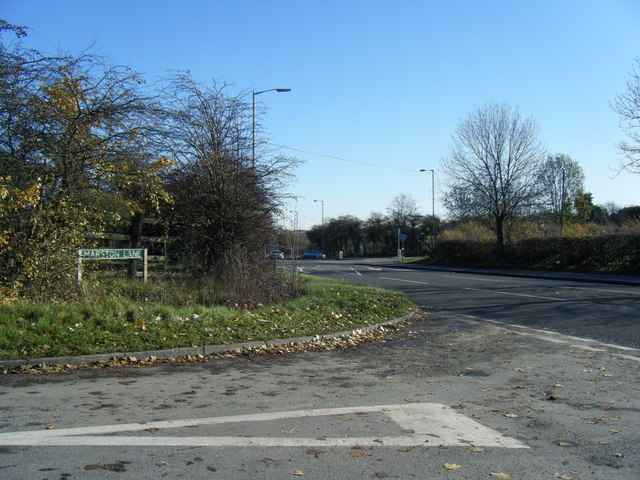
x=605 y=253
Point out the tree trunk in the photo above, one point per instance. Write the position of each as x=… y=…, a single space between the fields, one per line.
x=500 y=235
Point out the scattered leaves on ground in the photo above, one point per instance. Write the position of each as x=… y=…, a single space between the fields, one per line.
x=500 y=475
x=451 y=466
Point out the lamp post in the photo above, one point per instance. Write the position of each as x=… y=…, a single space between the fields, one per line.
x=253 y=129
x=433 y=206
x=322 y=238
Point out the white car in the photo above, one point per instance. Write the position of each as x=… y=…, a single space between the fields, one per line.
x=276 y=255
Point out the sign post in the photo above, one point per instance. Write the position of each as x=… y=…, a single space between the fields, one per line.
x=112 y=254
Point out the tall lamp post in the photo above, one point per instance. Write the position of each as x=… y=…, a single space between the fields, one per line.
x=253 y=129
x=322 y=238
x=433 y=206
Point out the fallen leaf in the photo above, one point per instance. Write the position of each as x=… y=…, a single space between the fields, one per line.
x=477 y=449
x=613 y=430
x=152 y=429
x=566 y=444
x=615 y=419
x=346 y=419
x=411 y=400
x=114 y=467
x=451 y=466
x=485 y=389
x=315 y=452
x=558 y=385
x=94 y=466
x=500 y=475
x=404 y=449
x=357 y=453
x=287 y=432
x=619 y=455
x=385 y=409
x=298 y=473
x=563 y=477
x=511 y=415
x=269 y=394
x=50 y=427
x=161 y=464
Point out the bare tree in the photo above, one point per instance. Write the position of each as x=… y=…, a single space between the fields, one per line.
x=493 y=165
x=627 y=105
x=561 y=181
x=401 y=210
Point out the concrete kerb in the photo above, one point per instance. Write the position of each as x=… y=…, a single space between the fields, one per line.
x=206 y=350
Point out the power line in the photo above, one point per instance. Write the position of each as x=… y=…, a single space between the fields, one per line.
x=343 y=159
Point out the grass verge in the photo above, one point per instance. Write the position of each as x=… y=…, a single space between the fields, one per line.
x=123 y=319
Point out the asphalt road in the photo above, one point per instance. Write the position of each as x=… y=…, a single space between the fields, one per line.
x=609 y=313
x=455 y=395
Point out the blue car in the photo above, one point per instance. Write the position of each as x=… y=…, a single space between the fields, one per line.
x=313 y=254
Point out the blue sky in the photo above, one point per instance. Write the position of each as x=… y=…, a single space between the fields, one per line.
x=378 y=82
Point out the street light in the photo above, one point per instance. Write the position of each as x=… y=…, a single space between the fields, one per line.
x=433 y=206
x=322 y=238
x=253 y=129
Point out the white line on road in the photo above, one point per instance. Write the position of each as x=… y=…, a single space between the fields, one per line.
x=482 y=279
x=403 y=280
x=419 y=424
x=626 y=292
x=627 y=357
x=556 y=337
x=497 y=292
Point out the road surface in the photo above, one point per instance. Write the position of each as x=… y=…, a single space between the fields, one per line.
x=456 y=395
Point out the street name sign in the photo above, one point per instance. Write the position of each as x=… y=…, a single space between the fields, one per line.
x=85 y=254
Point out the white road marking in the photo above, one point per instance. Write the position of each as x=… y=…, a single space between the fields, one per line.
x=403 y=280
x=588 y=348
x=547 y=336
x=356 y=272
x=514 y=294
x=627 y=357
x=620 y=347
x=482 y=279
x=626 y=292
x=542 y=337
x=419 y=424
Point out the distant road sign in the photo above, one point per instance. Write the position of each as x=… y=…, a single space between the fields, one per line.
x=111 y=253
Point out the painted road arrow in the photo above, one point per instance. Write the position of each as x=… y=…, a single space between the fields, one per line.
x=417 y=424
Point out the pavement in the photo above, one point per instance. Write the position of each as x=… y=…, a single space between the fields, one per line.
x=391 y=262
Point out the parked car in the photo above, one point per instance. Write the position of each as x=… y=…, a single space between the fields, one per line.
x=313 y=254
x=276 y=255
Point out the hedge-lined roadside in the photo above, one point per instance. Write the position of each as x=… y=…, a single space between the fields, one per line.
x=119 y=323
x=599 y=254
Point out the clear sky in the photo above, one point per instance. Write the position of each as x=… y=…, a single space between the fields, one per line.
x=380 y=84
